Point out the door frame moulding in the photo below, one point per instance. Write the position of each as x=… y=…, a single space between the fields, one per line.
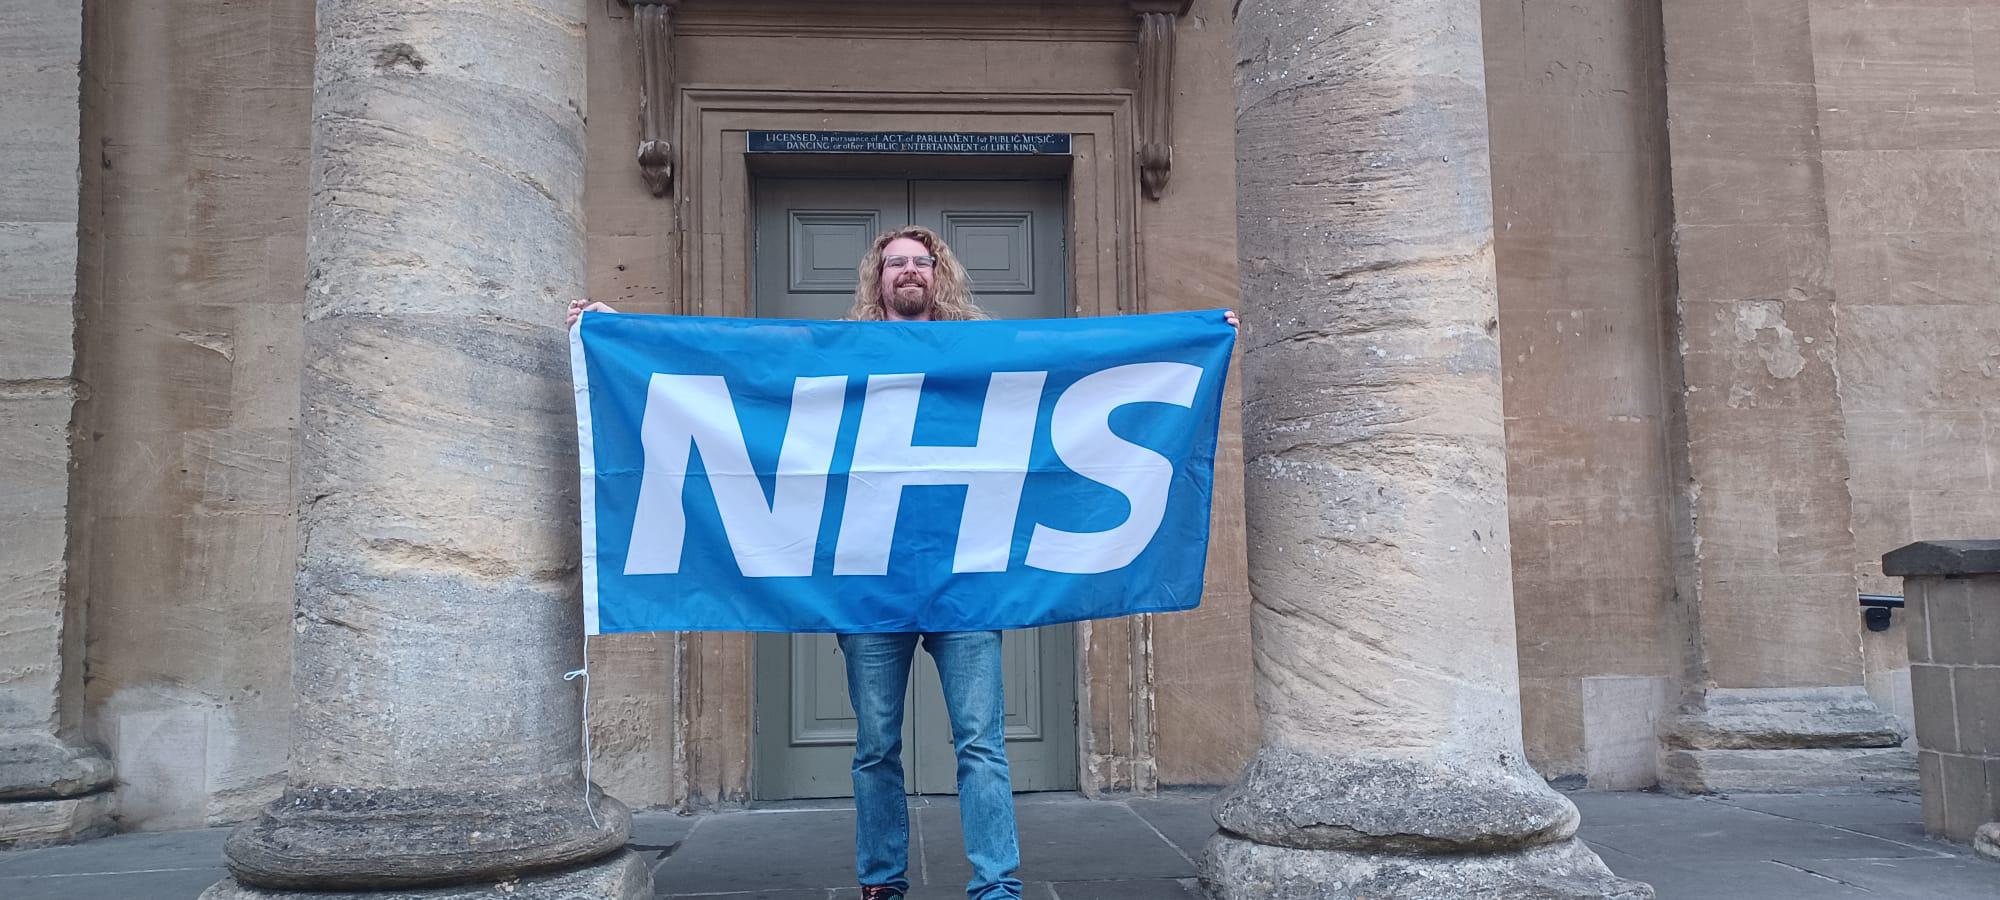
x=715 y=671
x=1012 y=20
x=658 y=21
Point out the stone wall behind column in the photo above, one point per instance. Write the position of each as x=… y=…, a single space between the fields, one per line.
x=1581 y=222
x=1909 y=115
x=1204 y=712
x=195 y=156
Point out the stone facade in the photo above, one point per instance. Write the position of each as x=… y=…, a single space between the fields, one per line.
x=1744 y=287
x=1908 y=146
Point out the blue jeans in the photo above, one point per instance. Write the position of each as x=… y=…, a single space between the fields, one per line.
x=878 y=673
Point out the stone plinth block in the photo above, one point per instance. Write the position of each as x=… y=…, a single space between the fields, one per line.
x=1952 y=595
x=621 y=876
x=1832 y=739
x=1987 y=841
x=35 y=823
x=1784 y=719
x=43 y=767
x=1233 y=868
x=350 y=839
x=1863 y=771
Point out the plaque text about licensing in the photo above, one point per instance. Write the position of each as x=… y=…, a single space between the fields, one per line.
x=965 y=142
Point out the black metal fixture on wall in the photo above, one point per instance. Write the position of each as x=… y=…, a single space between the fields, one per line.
x=1876 y=609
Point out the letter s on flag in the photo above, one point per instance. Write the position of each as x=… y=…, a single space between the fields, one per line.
x=1080 y=428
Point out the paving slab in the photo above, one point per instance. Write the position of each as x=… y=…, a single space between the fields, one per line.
x=762 y=851
x=1754 y=836
x=1143 y=889
x=1734 y=880
x=660 y=829
x=145 y=851
x=1030 y=890
x=1958 y=878
x=1072 y=841
x=165 y=884
x=1911 y=833
x=1607 y=809
x=1185 y=819
x=811 y=894
x=1841 y=810
x=1789 y=847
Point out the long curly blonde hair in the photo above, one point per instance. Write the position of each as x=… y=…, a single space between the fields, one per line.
x=951 y=288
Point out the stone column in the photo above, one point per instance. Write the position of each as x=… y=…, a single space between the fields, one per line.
x=436 y=743
x=1383 y=617
x=1766 y=553
x=1952 y=603
x=50 y=782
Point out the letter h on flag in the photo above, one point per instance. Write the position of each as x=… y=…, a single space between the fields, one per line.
x=767 y=475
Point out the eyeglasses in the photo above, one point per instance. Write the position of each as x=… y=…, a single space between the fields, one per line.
x=897 y=262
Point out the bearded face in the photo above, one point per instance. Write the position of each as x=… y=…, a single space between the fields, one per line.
x=906 y=288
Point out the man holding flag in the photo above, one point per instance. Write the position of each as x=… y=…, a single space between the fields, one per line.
x=909 y=274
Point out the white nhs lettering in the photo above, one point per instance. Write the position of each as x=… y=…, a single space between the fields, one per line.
x=777 y=536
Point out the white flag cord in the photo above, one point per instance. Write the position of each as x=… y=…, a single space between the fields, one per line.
x=584 y=673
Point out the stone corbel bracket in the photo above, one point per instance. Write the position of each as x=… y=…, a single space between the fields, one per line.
x=655 y=22
x=1157 y=19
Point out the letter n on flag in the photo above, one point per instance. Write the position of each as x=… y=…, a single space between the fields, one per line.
x=769 y=475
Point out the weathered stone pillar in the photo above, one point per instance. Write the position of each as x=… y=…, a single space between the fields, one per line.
x=1952 y=595
x=1376 y=496
x=50 y=782
x=435 y=741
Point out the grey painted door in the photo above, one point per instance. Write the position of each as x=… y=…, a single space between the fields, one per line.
x=811 y=234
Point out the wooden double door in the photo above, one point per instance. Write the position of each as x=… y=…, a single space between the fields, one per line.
x=810 y=236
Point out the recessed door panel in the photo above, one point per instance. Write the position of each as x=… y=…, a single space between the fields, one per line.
x=822 y=245
x=810 y=236
x=1010 y=236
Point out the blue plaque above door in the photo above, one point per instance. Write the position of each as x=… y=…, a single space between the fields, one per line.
x=943 y=142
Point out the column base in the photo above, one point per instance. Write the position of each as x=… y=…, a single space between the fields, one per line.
x=43 y=767
x=620 y=876
x=1309 y=801
x=39 y=823
x=1784 y=740
x=1233 y=868
x=352 y=839
x=1987 y=842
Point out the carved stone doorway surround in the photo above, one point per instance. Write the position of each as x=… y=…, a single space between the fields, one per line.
x=711 y=193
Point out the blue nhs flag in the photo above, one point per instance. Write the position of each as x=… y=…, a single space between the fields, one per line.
x=768 y=475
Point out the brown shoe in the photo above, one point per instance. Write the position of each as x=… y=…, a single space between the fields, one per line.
x=879 y=892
